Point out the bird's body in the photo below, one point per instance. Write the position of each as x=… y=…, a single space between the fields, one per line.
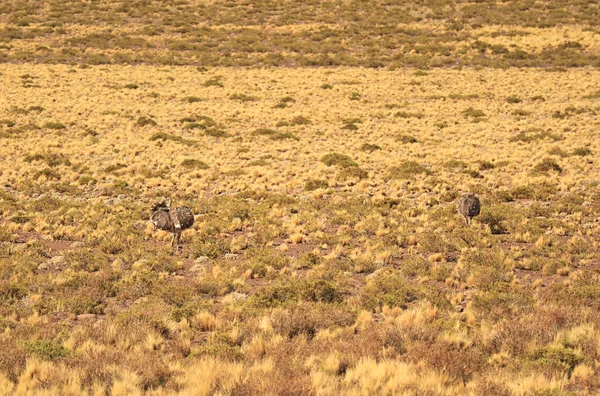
x=468 y=206
x=174 y=221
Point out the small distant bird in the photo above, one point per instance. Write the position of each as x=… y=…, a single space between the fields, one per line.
x=469 y=206
x=173 y=221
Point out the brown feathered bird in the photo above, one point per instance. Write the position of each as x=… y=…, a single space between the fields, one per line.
x=173 y=221
x=469 y=206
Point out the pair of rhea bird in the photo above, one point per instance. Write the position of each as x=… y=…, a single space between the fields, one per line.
x=181 y=218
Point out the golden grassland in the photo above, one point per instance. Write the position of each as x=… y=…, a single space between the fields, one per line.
x=327 y=256
x=429 y=33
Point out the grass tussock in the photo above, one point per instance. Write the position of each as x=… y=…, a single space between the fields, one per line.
x=407 y=170
x=337 y=159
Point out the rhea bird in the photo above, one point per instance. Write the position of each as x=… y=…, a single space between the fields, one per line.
x=174 y=221
x=468 y=206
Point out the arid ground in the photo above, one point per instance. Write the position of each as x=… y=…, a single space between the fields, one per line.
x=322 y=147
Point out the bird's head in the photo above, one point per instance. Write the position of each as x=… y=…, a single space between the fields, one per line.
x=165 y=204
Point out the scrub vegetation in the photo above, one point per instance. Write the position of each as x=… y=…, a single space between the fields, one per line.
x=327 y=256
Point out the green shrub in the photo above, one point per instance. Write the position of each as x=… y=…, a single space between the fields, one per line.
x=486 y=165
x=559 y=357
x=54 y=125
x=213 y=82
x=313 y=184
x=350 y=126
x=472 y=112
x=558 y=151
x=213 y=132
x=308 y=260
x=300 y=120
x=12 y=291
x=46 y=350
x=415 y=266
x=533 y=191
x=570 y=111
x=243 y=97
x=473 y=173
x=195 y=125
x=387 y=288
x=547 y=165
x=520 y=113
x=582 y=151
x=283 y=102
x=486 y=268
x=290 y=292
x=264 y=132
x=407 y=170
x=284 y=136
x=406 y=114
x=341 y=160
x=166 y=136
x=455 y=164
x=495 y=216
x=193 y=99
x=368 y=147
x=48 y=173
x=8 y=123
x=353 y=172
x=528 y=136
x=194 y=163
x=406 y=139
x=463 y=96
x=258 y=162
x=145 y=121
x=114 y=167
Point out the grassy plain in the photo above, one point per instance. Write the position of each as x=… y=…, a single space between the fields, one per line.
x=327 y=256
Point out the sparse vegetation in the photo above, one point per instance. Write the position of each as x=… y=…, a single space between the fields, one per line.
x=243 y=97
x=213 y=82
x=406 y=139
x=284 y=102
x=145 y=121
x=547 y=165
x=535 y=135
x=582 y=151
x=194 y=164
x=369 y=147
x=54 y=125
x=571 y=111
x=406 y=114
x=341 y=160
x=472 y=112
x=162 y=136
x=327 y=256
x=407 y=170
x=313 y=184
x=192 y=99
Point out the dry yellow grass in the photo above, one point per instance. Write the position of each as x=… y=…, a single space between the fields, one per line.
x=305 y=272
x=93 y=99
